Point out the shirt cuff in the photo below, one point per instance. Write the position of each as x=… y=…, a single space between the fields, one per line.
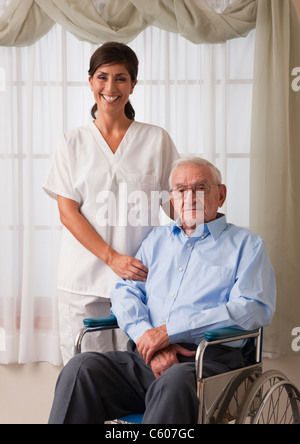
x=175 y=337
x=135 y=332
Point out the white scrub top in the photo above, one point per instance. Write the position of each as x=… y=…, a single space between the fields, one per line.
x=119 y=194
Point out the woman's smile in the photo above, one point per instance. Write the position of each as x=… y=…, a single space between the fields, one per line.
x=110 y=98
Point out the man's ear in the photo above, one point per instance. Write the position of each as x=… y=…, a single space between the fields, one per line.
x=223 y=194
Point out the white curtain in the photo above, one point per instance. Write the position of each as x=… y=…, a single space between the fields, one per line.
x=202 y=94
x=275 y=161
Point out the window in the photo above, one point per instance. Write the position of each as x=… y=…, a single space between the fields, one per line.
x=201 y=94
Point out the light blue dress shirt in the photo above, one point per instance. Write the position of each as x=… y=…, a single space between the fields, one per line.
x=220 y=277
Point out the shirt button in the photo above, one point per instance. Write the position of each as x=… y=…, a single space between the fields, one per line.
x=163 y=321
x=189 y=245
x=173 y=295
x=180 y=269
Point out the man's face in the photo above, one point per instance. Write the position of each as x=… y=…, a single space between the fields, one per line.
x=200 y=204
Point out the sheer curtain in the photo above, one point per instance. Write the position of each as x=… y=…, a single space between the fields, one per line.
x=202 y=94
x=275 y=160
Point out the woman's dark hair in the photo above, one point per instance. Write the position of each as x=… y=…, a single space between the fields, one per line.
x=112 y=53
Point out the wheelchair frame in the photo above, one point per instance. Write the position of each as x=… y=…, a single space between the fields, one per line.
x=242 y=396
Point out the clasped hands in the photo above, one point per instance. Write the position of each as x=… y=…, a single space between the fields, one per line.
x=155 y=348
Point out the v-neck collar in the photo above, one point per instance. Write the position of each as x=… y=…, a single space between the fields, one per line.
x=105 y=148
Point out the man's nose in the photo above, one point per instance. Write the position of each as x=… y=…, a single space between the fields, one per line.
x=190 y=195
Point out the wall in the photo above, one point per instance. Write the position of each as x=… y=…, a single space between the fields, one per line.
x=26 y=393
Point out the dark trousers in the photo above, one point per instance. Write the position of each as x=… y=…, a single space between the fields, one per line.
x=94 y=387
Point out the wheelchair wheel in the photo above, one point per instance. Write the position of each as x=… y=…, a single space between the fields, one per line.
x=230 y=406
x=272 y=399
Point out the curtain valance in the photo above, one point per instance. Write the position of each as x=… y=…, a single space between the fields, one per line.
x=26 y=21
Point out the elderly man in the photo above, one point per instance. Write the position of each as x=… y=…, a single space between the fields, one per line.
x=204 y=273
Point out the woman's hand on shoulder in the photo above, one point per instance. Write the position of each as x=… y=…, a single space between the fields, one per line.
x=127 y=267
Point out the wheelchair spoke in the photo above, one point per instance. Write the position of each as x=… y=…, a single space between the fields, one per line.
x=230 y=405
x=280 y=406
x=271 y=400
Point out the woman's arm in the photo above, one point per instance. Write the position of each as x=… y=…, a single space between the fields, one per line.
x=124 y=266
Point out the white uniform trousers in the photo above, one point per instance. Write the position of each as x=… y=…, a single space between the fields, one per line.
x=73 y=308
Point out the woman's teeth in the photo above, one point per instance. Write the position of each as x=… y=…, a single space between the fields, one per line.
x=110 y=98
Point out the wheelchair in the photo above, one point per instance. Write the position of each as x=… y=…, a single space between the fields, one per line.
x=242 y=396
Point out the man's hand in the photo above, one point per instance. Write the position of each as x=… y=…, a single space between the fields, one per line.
x=152 y=341
x=165 y=358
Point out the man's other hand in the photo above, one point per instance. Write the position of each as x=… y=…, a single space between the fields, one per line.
x=165 y=358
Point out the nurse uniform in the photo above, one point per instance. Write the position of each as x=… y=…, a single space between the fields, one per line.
x=119 y=194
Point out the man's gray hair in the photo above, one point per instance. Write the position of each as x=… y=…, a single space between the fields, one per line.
x=195 y=161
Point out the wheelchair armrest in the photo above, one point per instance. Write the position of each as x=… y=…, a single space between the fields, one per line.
x=94 y=324
x=221 y=336
x=108 y=321
x=226 y=333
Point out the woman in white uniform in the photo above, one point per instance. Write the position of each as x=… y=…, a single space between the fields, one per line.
x=109 y=178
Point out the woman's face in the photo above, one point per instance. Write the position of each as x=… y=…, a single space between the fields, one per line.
x=112 y=86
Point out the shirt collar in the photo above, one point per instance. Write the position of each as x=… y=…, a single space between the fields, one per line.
x=215 y=228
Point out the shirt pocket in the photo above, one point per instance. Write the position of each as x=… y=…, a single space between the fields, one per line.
x=214 y=283
x=137 y=182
